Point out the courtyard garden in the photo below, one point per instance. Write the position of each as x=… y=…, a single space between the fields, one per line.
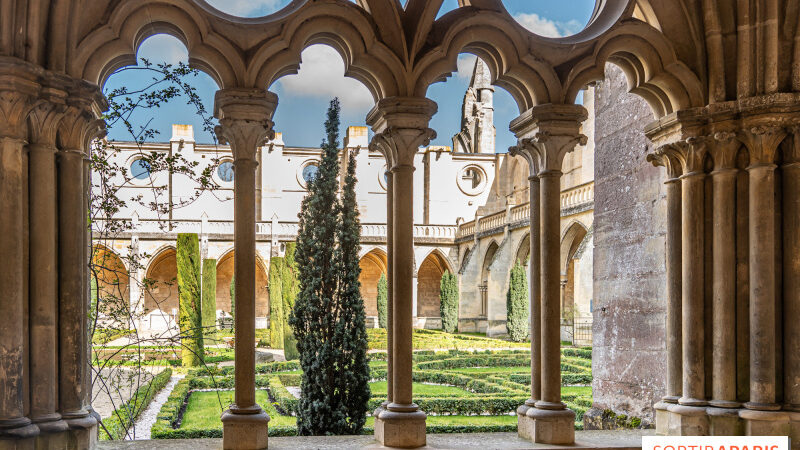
x=461 y=391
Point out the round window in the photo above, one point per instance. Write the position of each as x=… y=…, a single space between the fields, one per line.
x=310 y=172
x=140 y=169
x=225 y=171
x=472 y=180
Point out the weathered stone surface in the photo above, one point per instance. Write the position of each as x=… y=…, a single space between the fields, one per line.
x=629 y=269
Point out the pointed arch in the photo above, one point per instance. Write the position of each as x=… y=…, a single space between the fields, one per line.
x=225 y=276
x=110 y=281
x=429 y=280
x=373 y=264
x=161 y=284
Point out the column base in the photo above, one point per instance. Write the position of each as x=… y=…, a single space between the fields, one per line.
x=401 y=429
x=244 y=431
x=724 y=422
x=547 y=426
x=524 y=424
x=687 y=420
x=765 y=423
x=18 y=434
x=82 y=434
x=663 y=416
x=53 y=432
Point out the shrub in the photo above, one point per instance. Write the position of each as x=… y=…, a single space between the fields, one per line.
x=517 y=304
x=208 y=307
x=383 y=301
x=191 y=322
x=275 y=303
x=116 y=427
x=448 y=299
x=289 y=286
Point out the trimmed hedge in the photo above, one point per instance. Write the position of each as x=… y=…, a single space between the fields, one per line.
x=171 y=411
x=116 y=427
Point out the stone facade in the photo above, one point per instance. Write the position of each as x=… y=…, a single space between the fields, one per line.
x=629 y=273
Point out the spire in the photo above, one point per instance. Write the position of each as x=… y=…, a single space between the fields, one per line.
x=477 y=133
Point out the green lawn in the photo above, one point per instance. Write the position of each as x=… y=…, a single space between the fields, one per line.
x=204 y=410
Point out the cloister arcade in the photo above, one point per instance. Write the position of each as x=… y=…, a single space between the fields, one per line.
x=718 y=76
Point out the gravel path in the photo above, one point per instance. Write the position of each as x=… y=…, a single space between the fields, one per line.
x=147 y=418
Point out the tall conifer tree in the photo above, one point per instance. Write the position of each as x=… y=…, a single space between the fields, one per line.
x=328 y=315
x=189 y=302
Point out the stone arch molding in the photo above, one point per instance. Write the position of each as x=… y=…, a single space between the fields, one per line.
x=394 y=50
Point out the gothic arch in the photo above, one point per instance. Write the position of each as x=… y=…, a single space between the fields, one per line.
x=523 y=250
x=570 y=241
x=110 y=280
x=115 y=44
x=373 y=264
x=161 y=287
x=429 y=279
x=650 y=64
x=225 y=269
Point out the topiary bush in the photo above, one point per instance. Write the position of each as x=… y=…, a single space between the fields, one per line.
x=383 y=301
x=517 y=304
x=289 y=287
x=191 y=321
x=448 y=300
x=209 y=298
x=276 y=323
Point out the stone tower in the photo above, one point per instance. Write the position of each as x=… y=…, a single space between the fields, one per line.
x=477 y=133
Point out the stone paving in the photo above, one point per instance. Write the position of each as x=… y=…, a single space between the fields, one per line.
x=627 y=439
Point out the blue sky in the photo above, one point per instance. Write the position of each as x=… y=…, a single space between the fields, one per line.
x=303 y=98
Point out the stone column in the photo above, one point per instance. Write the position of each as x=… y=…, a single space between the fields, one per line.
x=43 y=275
x=245 y=117
x=414 y=296
x=791 y=273
x=761 y=416
x=690 y=418
x=78 y=127
x=17 y=91
x=723 y=418
x=668 y=157
x=535 y=291
x=401 y=127
x=554 y=131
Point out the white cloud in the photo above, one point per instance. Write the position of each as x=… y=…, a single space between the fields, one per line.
x=321 y=75
x=538 y=25
x=163 y=48
x=246 y=8
x=466 y=64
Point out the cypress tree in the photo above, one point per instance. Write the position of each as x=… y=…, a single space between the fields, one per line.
x=209 y=296
x=276 y=315
x=517 y=304
x=448 y=302
x=289 y=286
x=191 y=322
x=383 y=299
x=328 y=315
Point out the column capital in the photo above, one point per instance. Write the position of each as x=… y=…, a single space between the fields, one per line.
x=546 y=133
x=691 y=153
x=45 y=118
x=762 y=142
x=401 y=127
x=723 y=148
x=791 y=153
x=667 y=156
x=82 y=120
x=245 y=119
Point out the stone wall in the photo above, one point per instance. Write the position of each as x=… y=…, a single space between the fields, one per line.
x=629 y=249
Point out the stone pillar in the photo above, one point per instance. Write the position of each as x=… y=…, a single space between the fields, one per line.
x=668 y=157
x=78 y=127
x=761 y=416
x=389 y=312
x=523 y=424
x=245 y=117
x=43 y=275
x=723 y=417
x=401 y=127
x=554 y=131
x=17 y=91
x=690 y=417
